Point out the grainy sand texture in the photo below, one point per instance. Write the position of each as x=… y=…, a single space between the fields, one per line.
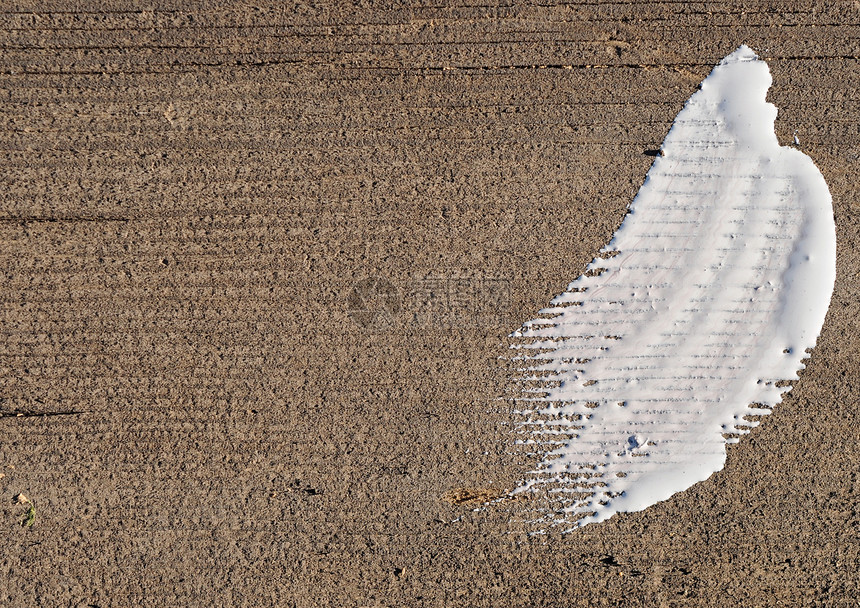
x=258 y=263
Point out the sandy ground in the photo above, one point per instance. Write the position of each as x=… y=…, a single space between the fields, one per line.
x=246 y=358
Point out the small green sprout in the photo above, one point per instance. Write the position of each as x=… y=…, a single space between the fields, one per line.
x=30 y=515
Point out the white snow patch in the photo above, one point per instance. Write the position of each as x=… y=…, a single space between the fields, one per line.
x=724 y=270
